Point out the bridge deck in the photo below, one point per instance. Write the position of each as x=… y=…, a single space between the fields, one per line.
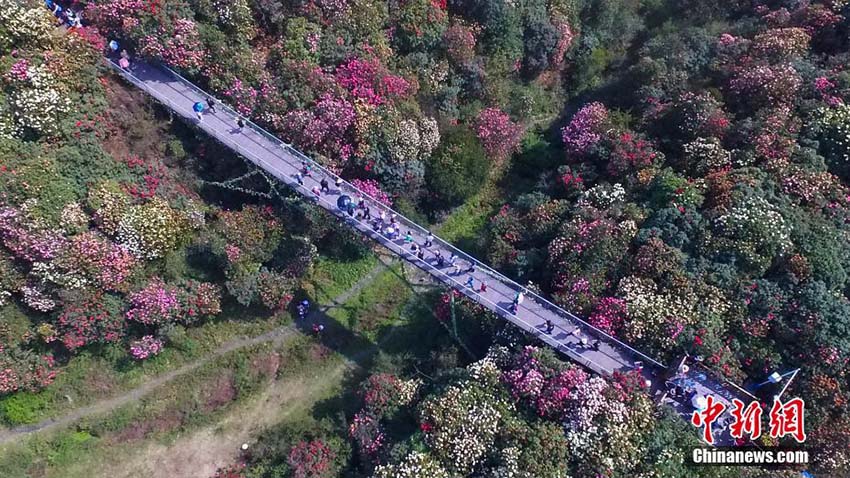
x=283 y=162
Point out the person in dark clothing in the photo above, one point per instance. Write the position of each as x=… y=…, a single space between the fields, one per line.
x=325 y=187
x=367 y=213
x=211 y=103
x=549 y=326
x=240 y=124
x=421 y=254
x=595 y=345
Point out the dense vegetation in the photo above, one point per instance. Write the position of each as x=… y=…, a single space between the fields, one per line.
x=674 y=171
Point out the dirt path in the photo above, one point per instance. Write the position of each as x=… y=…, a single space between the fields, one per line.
x=276 y=336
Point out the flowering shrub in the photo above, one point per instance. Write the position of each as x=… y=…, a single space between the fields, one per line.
x=833 y=127
x=21 y=370
x=781 y=43
x=275 y=289
x=152 y=229
x=146 y=347
x=414 y=465
x=498 y=134
x=370 y=81
x=460 y=43
x=325 y=128
x=585 y=129
x=155 y=304
x=758 y=228
x=179 y=45
x=311 y=459
x=766 y=85
x=37 y=101
x=106 y=263
x=461 y=424
x=367 y=432
x=609 y=314
x=655 y=318
x=371 y=187
x=630 y=153
x=93 y=320
x=22 y=25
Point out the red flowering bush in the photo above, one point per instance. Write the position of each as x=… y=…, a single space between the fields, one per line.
x=94 y=319
x=608 y=314
x=23 y=370
x=630 y=153
x=311 y=459
x=367 y=432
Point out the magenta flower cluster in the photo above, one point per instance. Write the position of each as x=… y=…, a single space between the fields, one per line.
x=146 y=347
x=369 y=80
x=155 y=304
x=585 y=128
x=498 y=134
x=371 y=187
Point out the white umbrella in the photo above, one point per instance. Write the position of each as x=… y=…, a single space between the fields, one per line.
x=699 y=402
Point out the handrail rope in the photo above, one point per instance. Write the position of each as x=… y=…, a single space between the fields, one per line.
x=448 y=245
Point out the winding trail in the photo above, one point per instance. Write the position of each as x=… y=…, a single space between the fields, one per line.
x=276 y=336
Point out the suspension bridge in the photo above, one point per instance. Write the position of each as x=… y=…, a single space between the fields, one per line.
x=571 y=336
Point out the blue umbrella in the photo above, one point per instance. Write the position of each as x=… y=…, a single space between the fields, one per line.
x=198 y=107
x=113 y=45
x=343 y=201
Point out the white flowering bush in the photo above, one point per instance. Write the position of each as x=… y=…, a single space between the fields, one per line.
x=757 y=230
x=706 y=154
x=461 y=425
x=20 y=25
x=403 y=141
x=150 y=230
x=655 y=318
x=603 y=430
x=604 y=196
x=429 y=137
x=415 y=465
x=833 y=126
x=38 y=104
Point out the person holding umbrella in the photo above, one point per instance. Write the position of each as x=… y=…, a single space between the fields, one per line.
x=198 y=108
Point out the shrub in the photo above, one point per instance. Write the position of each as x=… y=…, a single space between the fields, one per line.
x=458 y=168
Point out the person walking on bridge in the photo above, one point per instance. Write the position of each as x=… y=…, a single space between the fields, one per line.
x=367 y=213
x=429 y=240
x=324 y=184
x=211 y=104
x=198 y=108
x=469 y=282
x=483 y=288
x=519 y=298
x=550 y=326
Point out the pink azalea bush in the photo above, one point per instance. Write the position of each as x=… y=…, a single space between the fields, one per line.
x=371 y=187
x=608 y=314
x=146 y=347
x=498 y=134
x=585 y=128
x=179 y=47
x=369 y=80
x=155 y=304
x=367 y=432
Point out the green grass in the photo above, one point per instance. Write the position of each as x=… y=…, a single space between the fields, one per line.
x=378 y=305
x=103 y=372
x=171 y=411
x=465 y=226
x=330 y=277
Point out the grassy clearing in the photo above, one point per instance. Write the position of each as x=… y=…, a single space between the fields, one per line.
x=331 y=277
x=203 y=399
x=377 y=305
x=100 y=373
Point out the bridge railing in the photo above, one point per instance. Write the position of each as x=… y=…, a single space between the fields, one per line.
x=410 y=224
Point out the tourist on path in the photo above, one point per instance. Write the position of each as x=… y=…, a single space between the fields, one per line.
x=483 y=288
x=198 y=107
x=408 y=238
x=429 y=240
x=469 y=281
x=240 y=124
x=549 y=326
x=299 y=178
x=420 y=253
x=367 y=213
x=325 y=187
x=338 y=183
x=211 y=103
